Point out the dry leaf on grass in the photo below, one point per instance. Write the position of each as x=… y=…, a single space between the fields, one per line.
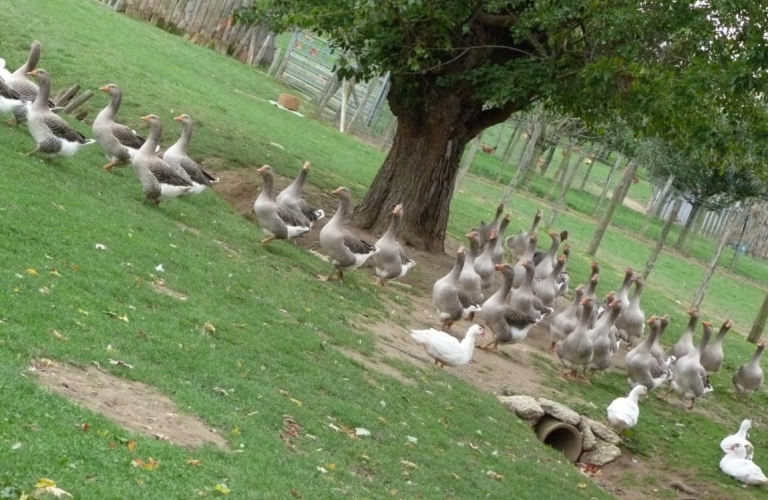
x=120 y=363
x=31 y=272
x=193 y=461
x=150 y=464
x=408 y=465
x=46 y=486
x=222 y=489
x=494 y=475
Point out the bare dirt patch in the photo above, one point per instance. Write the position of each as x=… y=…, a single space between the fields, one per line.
x=520 y=369
x=134 y=405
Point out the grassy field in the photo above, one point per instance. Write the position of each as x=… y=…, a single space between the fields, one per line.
x=275 y=325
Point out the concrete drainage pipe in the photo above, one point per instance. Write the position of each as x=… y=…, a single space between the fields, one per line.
x=560 y=436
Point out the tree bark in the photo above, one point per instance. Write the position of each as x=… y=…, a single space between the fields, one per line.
x=548 y=160
x=663 y=238
x=511 y=145
x=607 y=184
x=421 y=167
x=699 y=297
x=655 y=202
x=589 y=171
x=570 y=177
x=741 y=239
x=758 y=327
x=618 y=196
x=695 y=207
x=467 y=158
x=525 y=158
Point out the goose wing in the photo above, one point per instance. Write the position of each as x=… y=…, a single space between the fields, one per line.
x=356 y=245
x=289 y=217
x=194 y=171
x=126 y=136
x=515 y=318
x=62 y=129
x=164 y=173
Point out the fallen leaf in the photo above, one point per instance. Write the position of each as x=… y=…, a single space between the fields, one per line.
x=209 y=328
x=322 y=470
x=120 y=363
x=456 y=477
x=581 y=485
x=150 y=464
x=131 y=445
x=31 y=272
x=331 y=466
x=16 y=446
x=235 y=430
x=195 y=462
x=222 y=489
x=494 y=475
x=44 y=482
x=86 y=427
x=124 y=317
x=55 y=272
x=58 y=335
x=473 y=447
x=408 y=465
x=99 y=246
x=159 y=268
x=295 y=493
x=361 y=432
x=296 y=402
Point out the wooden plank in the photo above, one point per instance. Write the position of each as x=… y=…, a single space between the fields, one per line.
x=74 y=89
x=78 y=101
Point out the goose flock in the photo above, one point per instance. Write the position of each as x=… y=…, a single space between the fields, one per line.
x=585 y=336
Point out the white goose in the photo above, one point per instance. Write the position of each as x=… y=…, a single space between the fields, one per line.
x=736 y=464
x=445 y=348
x=739 y=438
x=623 y=413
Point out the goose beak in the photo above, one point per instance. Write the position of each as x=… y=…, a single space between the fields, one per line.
x=306 y=165
x=500 y=267
x=105 y=88
x=178 y=118
x=32 y=73
x=262 y=169
x=145 y=118
x=336 y=191
x=398 y=208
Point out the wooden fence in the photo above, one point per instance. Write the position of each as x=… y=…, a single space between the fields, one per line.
x=205 y=22
x=308 y=66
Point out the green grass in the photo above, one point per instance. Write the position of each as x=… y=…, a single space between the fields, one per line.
x=275 y=325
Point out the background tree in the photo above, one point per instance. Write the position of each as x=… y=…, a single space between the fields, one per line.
x=458 y=67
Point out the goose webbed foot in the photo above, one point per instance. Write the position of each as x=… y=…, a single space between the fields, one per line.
x=109 y=165
x=446 y=326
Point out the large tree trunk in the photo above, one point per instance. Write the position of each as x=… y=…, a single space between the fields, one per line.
x=420 y=169
x=606 y=185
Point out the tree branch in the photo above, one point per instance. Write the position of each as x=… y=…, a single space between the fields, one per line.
x=491 y=116
x=497 y=20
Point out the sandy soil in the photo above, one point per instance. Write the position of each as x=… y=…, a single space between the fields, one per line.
x=135 y=406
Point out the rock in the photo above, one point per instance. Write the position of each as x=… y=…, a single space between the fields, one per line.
x=289 y=101
x=602 y=431
x=524 y=406
x=588 y=439
x=601 y=455
x=560 y=412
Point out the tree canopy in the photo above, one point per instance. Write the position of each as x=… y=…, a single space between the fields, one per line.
x=665 y=67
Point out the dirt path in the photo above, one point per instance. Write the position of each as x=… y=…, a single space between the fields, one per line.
x=526 y=366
